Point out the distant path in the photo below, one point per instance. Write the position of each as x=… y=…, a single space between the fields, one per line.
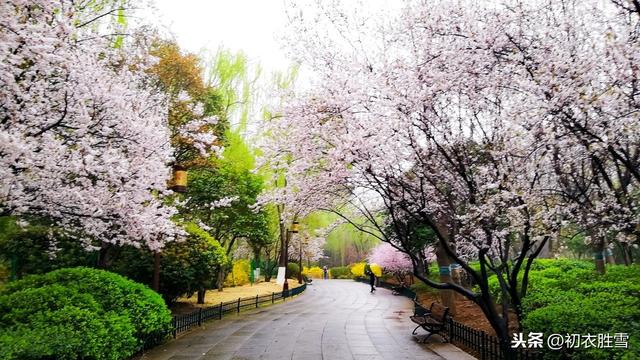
x=332 y=319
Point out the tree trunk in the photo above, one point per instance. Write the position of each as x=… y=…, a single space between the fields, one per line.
x=201 y=295
x=267 y=266
x=447 y=296
x=545 y=253
x=220 y=282
x=156 y=271
x=282 y=260
x=626 y=253
x=598 y=257
x=103 y=254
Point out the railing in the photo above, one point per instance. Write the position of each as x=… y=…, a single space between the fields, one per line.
x=185 y=322
x=485 y=346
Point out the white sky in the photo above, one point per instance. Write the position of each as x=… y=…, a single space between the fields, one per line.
x=248 y=25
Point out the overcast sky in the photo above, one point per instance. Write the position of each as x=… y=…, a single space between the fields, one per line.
x=248 y=25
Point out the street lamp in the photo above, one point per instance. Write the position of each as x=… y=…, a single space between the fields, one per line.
x=179 y=185
x=295 y=228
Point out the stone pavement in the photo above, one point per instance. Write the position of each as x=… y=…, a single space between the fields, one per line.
x=332 y=319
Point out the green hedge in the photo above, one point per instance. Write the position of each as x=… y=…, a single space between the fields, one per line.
x=569 y=297
x=292 y=270
x=79 y=313
x=340 y=272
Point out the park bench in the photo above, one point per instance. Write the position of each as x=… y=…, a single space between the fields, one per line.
x=432 y=320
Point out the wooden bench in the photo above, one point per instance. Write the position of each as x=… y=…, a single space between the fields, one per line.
x=432 y=320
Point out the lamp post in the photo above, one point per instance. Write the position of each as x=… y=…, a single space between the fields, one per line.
x=178 y=184
x=295 y=228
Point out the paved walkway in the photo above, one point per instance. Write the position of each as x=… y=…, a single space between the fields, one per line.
x=332 y=319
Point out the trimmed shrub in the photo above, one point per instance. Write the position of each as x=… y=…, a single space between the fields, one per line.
x=79 y=313
x=569 y=297
x=340 y=272
x=292 y=270
x=57 y=322
x=598 y=313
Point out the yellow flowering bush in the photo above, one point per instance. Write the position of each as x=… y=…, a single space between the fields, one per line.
x=358 y=269
x=240 y=273
x=315 y=272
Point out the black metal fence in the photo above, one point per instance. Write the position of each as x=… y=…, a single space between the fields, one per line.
x=485 y=346
x=185 y=322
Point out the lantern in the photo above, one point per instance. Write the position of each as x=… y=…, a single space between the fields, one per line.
x=179 y=179
x=295 y=227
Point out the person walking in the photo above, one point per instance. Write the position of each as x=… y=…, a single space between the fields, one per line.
x=372 y=278
x=325 y=272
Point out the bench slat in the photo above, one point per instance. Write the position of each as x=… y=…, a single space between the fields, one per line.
x=432 y=320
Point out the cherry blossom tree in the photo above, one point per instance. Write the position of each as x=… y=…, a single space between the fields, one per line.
x=396 y=262
x=585 y=80
x=83 y=138
x=307 y=245
x=441 y=124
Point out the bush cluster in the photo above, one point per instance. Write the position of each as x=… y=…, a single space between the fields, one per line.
x=239 y=274
x=569 y=297
x=314 y=272
x=185 y=266
x=340 y=272
x=358 y=270
x=79 y=313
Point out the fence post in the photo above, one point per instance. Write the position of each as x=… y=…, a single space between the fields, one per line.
x=256 y=301
x=238 y=305
x=220 y=311
x=199 y=316
x=450 y=329
x=175 y=327
x=483 y=351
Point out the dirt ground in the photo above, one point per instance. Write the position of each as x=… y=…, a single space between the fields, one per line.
x=467 y=312
x=215 y=297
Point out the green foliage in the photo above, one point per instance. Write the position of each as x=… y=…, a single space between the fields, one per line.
x=598 y=313
x=292 y=270
x=340 y=272
x=29 y=248
x=79 y=313
x=228 y=75
x=562 y=264
x=59 y=322
x=238 y=219
x=4 y=273
x=569 y=297
x=185 y=267
x=346 y=244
